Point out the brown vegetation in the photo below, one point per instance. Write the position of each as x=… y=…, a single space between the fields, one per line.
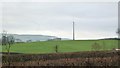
x=95 y=58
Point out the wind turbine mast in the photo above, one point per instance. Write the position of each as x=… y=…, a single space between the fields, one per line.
x=73 y=30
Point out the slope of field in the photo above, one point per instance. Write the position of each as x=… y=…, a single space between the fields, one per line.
x=63 y=46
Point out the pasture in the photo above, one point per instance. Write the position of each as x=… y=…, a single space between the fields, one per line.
x=63 y=46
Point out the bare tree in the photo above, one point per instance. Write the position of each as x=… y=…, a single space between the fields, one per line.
x=7 y=40
x=4 y=38
x=104 y=45
x=118 y=32
x=96 y=47
x=10 y=41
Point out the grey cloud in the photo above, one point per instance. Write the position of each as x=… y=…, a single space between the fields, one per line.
x=57 y=17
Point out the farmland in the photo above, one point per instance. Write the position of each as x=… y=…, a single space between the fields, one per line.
x=70 y=53
x=63 y=46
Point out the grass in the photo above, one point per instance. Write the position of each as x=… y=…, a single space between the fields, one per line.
x=63 y=46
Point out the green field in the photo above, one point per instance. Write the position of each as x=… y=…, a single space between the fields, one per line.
x=63 y=46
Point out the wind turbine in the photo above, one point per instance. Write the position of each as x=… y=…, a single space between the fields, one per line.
x=74 y=26
x=73 y=29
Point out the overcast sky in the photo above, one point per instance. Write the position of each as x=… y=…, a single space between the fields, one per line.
x=92 y=20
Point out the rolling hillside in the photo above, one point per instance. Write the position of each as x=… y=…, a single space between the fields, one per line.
x=63 y=46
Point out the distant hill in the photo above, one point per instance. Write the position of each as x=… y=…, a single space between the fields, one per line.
x=110 y=39
x=34 y=38
x=25 y=38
